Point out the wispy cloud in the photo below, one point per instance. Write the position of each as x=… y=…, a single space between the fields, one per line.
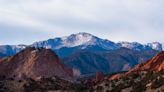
x=131 y=20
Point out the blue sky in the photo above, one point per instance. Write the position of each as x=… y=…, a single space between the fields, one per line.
x=27 y=21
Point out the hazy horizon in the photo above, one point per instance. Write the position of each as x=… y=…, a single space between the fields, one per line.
x=27 y=21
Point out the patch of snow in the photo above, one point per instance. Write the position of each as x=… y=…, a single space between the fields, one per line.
x=155 y=46
x=132 y=45
x=76 y=40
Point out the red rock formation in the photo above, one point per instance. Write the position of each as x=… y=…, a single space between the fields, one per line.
x=34 y=63
x=99 y=76
x=154 y=64
x=116 y=76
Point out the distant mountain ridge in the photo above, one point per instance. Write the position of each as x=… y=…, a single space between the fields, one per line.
x=76 y=40
x=8 y=50
x=84 y=40
x=80 y=41
x=121 y=59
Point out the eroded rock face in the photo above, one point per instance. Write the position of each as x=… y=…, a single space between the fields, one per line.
x=34 y=63
x=154 y=64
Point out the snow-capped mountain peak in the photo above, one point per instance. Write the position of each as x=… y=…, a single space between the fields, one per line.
x=84 y=40
x=68 y=41
x=81 y=41
x=140 y=47
x=77 y=39
x=132 y=45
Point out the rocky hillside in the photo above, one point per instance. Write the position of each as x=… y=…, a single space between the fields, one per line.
x=154 y=64
x=145 y=77
x=144 y=81
x=51 y=84
x=42 y=70
x=34 y=63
